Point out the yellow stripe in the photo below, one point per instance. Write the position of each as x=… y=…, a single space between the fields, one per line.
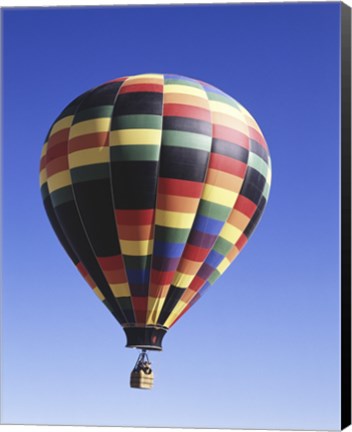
x=136 y=248
x=89 y=156
x=182 y=280
x=61 y=124
x=42 y=177
x=222 y=107
x=146 y=76
x=90 y=126
x=230 y=233
x=184 y=89
x=135 y=137
x=228 y=121
x=44 y=150
x=175 y=313
x=223 y=265
x=154 y=308
x=59 y=180
x=120 y=290
x=174 y=219
x=219 y=195
x=100 y=295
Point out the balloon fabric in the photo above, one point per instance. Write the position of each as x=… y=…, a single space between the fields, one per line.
x=153 y=184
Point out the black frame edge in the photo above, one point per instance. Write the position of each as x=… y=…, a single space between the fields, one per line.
x=345 y=216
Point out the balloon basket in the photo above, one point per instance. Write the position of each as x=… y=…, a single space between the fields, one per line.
x=142 y=376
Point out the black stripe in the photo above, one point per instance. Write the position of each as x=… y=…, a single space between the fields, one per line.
x=138 y=103
x=173 y=296
x=229 y=149
x=134 y=184
x=183 y=163
x=258 y=150
x=187 y=124
x=94 y=202
x=70 y=222
x=255 y=218
x=102 y=95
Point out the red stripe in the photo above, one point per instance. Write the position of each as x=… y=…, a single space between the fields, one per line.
x=82 y=269
x=56 y=165
x=140 y=306
x=228 y=134
x=132 y=88
x=59 y=137
x=177 y=187
x=134 y=217
x=241 y=242
x=161 y=278
x=254 y=134
x=245 y=206
x=110 y=263
x=196 y=283
x=43 y=162
x=99 y=139
x=55 y=151
x=195 y=253
x=227 y=164
x=181 y=110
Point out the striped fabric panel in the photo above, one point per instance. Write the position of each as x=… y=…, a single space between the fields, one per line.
x=64 y=206
x=225 y=176
x=240 y=225
x=89 y=163
x=186 y=143
x=135 y=141
x=59 y=232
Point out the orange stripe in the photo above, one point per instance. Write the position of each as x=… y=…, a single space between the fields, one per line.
x=188 y=267
x=238 y=220
x=223 y=180
x=178 y=204
x=139 y=232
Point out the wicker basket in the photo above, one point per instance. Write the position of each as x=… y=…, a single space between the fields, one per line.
x=142 y=379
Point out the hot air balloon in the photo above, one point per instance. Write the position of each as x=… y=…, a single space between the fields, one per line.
x=153 y=184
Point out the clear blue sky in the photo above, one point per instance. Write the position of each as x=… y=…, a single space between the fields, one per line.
x=261 y=349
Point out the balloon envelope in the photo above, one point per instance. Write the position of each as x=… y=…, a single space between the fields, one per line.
x=153 y=184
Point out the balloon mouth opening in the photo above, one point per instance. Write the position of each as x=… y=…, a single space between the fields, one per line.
x=145 y=337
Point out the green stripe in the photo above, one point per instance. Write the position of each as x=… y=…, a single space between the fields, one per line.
x=186 y=139
x=137 y=121
x=222 y=246
x=266 y=191
x=213 y=277
x=137 y=262
x=125 y=303
x=90 y=172
x=92 y=113
x=258 y=163
x=62 y=196
x=225 y=99
x=171 y=235
x=213 y=210
x=135 y=153
x=183 y=82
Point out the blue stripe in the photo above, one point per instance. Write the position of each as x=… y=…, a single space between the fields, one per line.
x=138 y=277
x=214 y=259
x=170 y=250
x=208 y=225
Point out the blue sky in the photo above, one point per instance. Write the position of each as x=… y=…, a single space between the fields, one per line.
x=261 y=349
